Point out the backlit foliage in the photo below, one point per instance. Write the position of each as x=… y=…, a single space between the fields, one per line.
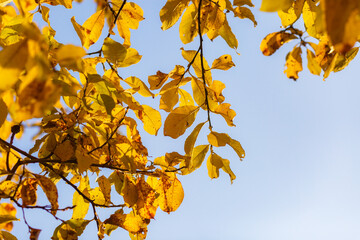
x=82 y=101
x=328 y=37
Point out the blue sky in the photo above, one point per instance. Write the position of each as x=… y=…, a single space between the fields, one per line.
x=300 y=178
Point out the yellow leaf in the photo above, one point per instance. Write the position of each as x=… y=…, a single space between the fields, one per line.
x=237 y=147
x=227 y=34
x=65 y=150
x=156 y=81
x=244 y=12
x=188 y=26
x=129 y=18
x=343 y=60
x=191 y=139
x=81 y=205
x=129 y=191
x=313 y=19
x=223 y=63
x=171 y=193
x=151 y=119
x=132 y=57
x=91 y=30
x=83 y=159
x=7 y=189
x=342 y=23
x=130 y=222
x=213 y=164
x=227 y=169
x=50 y=191
x=7 y=216
x=198 y=156
x=6 y=235
x=179 y=120
x=275 y=5
x=105 y=188
x=146 y=203
x=113 y=51
x=291 y=15
x=313 y=65
x=274 y=41
x=28 y=192
x=216 y=89
x=243 y=2
x=169 y=99
x=189 y=56
x=3 y=112
x=293 y=63
x=171 y=12
x=185 y=98
x=12 y=62
x=70 y=230
x=228 y=114
x=139 y=86
x=97 y=196
x=69 y=54
x=218 y=139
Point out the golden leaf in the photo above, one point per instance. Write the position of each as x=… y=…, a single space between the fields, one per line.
x=189 y=56
x=185 y=98
x=69 y=54
x=12 y=62
x=129 y=191
x=197 y=157
x=151 y=119
x=228 y=114
x=65 y=150
x=169 y=99
x=83 y=159
x=188 y=26
x=179 y=120
x=274 y=41
x=227 y=34
x=7 y=216
x=218 y=139
x=312 y=65
x=171 y=192
x=132 y=57
x=50 y=191
x=3 y=112
x=97 y=196
x=244 y=12
x=105 y=188
x=215 y=162
x=237 y=147
x=130 y=222
x=139 y=86
x=191 y=139
x=274 y=6
x=81 y=205
x=113 y=51
x=28 y=192
x=343 y=60
x=292 y=14
x=342 y=23
x=313 y=19
x=293 y=63
x=171 y=12
x=146 y=203
x=223 y=63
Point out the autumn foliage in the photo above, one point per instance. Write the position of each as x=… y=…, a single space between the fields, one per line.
x=77 y=98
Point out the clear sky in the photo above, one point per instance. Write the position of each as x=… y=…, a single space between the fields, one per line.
x=300 y=178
